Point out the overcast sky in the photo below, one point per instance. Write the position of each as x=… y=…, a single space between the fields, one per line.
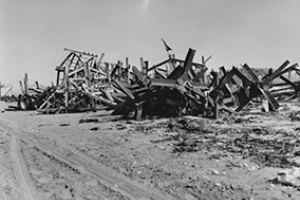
x=33 y=33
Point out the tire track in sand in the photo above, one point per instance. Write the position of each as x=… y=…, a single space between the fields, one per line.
x=107 y=176
x=21 y=170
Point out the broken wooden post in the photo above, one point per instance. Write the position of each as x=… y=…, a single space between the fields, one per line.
x=100 y=61
x=26 y=84
x=127 y=63
x=146 y=65
x=142 y=65
x=217 y=100
x=127 y=68
x=21 y=85
x=87 y=74
x=37 y=85
x=108 y=72
x=66 y=83
x=57 y=77
x=187 y=64
x=120 y=64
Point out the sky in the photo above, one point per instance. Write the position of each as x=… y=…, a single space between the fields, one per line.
x=33 y=33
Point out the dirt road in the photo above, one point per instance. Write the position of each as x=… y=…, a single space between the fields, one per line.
x=58 y=151
x=56 y=157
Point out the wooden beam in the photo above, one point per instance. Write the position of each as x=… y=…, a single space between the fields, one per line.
x=100 y=60
x=87 y=74
x=81 y=52
x=277 y=73
x=37 y=85
x=21 y=85
x=187 y=64
x=26 y=84
x=66 y=83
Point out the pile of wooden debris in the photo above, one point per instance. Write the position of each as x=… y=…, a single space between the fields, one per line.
x=173 y=87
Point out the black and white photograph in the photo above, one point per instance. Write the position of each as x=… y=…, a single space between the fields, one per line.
x=149 y=100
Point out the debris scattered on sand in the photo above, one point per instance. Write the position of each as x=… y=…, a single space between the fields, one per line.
x=88 y=120
x=65 y=124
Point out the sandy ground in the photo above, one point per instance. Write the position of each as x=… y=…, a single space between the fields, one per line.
x=236 y=157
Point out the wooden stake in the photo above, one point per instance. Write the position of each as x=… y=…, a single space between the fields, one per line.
x=142 y=65
x=87 y=74
x=216 y=109
x=127 y=68
x=146 y=67
x=57 y=78
x=66 y=83
x=37 y=85
x=26 y=84
x=100 y=61
x=21 y=85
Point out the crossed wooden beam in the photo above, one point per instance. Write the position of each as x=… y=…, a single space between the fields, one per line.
x=251 y=86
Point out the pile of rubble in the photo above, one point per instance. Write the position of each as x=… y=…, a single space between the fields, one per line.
x=171 y=88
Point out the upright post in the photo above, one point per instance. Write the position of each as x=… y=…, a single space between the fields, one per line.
x=66 y=83
x=216 y=108
x=26 y=84
x=146 y=67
